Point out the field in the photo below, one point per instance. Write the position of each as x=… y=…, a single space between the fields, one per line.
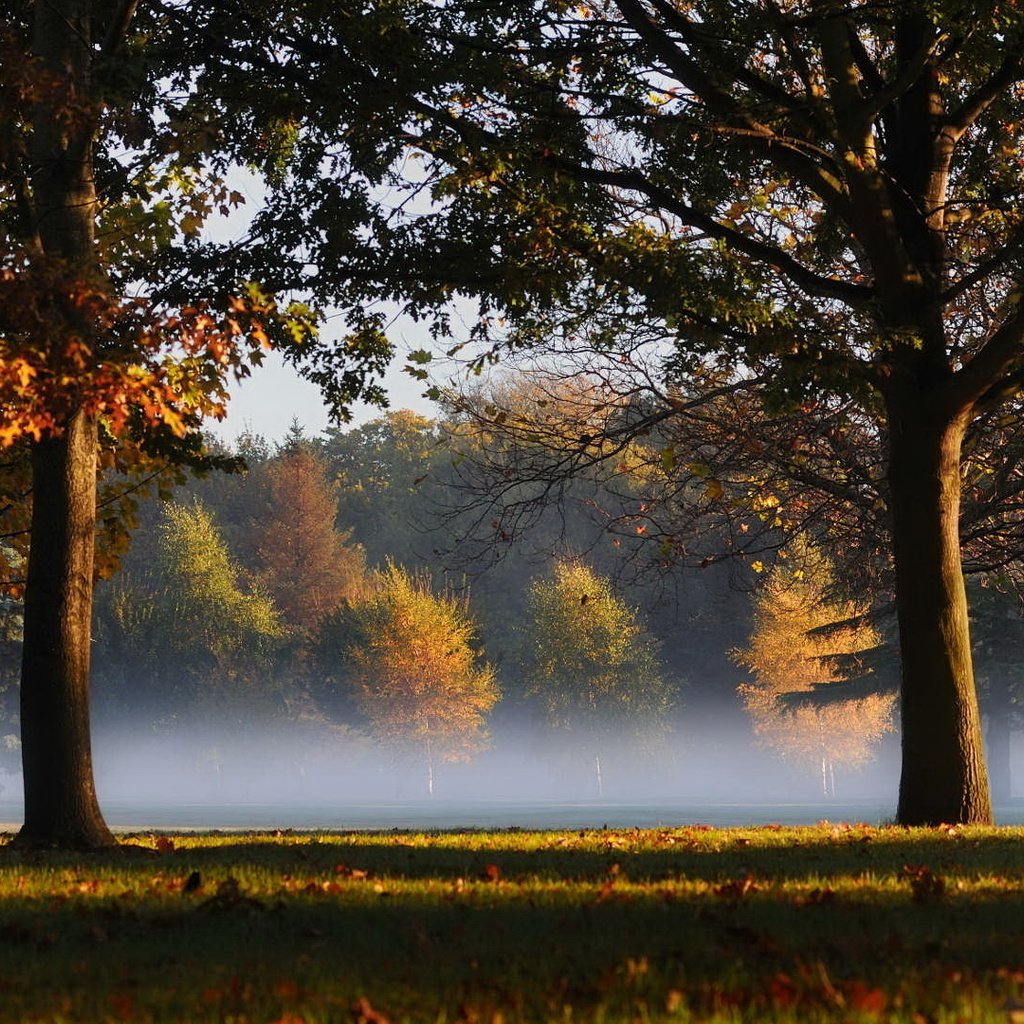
x=826 y=923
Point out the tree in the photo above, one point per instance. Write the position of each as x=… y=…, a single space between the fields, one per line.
x=116 y=325
x=591 y=665
x=388 y=471
x=827 y=197
x=407 y=654
x=190 y=627
x=305 y=562
x=788 y=654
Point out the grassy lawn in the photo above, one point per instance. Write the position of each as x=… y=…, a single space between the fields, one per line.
x=830 y=923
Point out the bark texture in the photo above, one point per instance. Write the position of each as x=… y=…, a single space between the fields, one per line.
x=944 y=776
x=61 y=809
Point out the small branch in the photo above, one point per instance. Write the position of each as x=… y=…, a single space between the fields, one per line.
x=118 y=28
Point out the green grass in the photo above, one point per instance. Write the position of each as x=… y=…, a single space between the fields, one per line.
x=831 y=923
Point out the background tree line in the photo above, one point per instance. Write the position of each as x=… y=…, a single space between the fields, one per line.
x=318 y=599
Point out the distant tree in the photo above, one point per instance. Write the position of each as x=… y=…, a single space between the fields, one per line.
x=191 y=627
x=591 y=665
x=787 y=655
x=388 y=470
x=406 y=653
x=305 y=562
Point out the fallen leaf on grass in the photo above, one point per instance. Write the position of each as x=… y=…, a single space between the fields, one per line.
x=816 y=898
x=229 y=896
x=864 y=999
x=924 y=884
x=737 y=888
x=674 y=1000
x=782 y=990
x=357 y=874
x=363 y=1012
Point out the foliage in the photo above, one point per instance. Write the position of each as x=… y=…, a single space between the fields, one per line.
x=303 y=560
x=190 y=627
x=407 y=653
x=800 y=637
x=782 y=925
x=822 y=201
x=388 y=472
x=592 y=666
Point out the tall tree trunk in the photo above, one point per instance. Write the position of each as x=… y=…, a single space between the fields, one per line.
x=944 y=777
x=60 y=798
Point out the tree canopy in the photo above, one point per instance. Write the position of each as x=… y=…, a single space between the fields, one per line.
x=822 y=200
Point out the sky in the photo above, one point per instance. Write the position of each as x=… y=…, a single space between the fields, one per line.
x=268 y=401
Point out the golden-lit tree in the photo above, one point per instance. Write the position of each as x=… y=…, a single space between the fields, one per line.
x=792 y=651
x=593 y=667
x=415 y=674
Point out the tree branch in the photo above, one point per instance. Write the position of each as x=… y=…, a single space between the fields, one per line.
x=853 y=295
x=118 y=28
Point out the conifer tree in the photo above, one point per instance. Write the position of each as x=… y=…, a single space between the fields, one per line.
x=787 y=656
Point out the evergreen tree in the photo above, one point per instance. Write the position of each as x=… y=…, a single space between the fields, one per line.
x=791 y=651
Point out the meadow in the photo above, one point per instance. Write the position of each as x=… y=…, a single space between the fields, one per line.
x=826 y=923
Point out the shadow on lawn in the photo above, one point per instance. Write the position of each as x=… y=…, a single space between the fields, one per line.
x=487 y=930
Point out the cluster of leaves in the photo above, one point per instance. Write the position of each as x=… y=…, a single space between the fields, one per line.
x=410 y=658
x=593 y=666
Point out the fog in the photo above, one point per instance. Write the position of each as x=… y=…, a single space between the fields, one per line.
x=311 y=778
x=308 y=776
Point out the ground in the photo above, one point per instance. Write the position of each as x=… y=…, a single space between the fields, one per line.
x=827 y=923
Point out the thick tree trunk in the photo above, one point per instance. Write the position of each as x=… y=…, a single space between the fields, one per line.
x=944 y=777
x=60 y=798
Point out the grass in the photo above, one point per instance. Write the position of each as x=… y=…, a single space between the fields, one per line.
x=830 y=923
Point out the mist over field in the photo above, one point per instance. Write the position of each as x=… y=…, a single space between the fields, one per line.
x=285 y=767
x=285 y=778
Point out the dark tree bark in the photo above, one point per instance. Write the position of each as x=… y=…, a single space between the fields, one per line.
x=944 y=774
x=61 y=809
x=60 y=798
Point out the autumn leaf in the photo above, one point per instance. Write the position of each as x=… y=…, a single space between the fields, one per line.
x=924 y=884
x=864 y=999
x=363 y=1012
x=737 y=888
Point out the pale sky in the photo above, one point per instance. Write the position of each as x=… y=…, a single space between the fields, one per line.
x=267 y=402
